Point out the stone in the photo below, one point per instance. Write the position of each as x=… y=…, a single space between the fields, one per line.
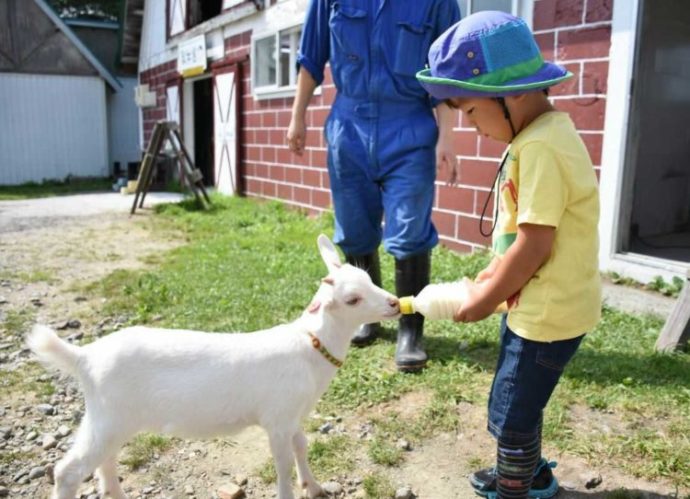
x=230 y=491
x=326 y=428
x=49 y=441
x=403 y=444
x=37 y=472
x=404 y=493
x=592 y=480
x=46 y=409
x=63 y=431
x=332 y=488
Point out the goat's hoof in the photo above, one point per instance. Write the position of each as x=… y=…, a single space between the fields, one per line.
x=312 y=491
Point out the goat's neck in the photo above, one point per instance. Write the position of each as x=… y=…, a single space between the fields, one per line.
x=334 y=335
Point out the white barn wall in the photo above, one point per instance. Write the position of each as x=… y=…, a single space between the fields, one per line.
x=123 y=130
x=153 y=51
x=52 y=126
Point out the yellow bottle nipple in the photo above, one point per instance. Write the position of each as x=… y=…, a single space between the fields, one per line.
x=406 y=307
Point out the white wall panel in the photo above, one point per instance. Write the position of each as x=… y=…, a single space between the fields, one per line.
x=123 y=124
x=153 y=51
x=52 y=126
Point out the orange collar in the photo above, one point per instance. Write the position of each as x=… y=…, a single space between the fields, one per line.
x=316 y=343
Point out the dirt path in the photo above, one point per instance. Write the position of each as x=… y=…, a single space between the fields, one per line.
x=44 y=263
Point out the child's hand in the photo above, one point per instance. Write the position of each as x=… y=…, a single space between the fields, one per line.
x=475 y=307
x=484 y=275
x=488 y=272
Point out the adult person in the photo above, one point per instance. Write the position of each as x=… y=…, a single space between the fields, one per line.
x=385 y=137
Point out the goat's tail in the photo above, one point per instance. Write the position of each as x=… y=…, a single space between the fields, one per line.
x=53 y=351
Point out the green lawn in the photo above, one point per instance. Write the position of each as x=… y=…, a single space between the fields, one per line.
x=53 y=188
x=250 y=265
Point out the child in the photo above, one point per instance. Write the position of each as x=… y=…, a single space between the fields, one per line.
x=545 y=244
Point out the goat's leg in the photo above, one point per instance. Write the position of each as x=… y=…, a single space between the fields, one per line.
x=281 y=449
x=87 y=453
x=306 y=478
x=108 y=480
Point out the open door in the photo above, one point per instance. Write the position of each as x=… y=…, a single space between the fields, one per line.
x=655 y=205
x=225 y=120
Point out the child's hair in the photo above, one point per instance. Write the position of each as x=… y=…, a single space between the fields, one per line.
x=451 y=104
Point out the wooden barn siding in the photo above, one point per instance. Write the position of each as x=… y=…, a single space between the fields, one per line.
x=52 y=126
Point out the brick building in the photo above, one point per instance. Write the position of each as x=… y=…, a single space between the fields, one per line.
x=225 y=70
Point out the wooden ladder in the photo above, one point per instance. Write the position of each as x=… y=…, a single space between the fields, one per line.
x=162 y=131
x=676 y=331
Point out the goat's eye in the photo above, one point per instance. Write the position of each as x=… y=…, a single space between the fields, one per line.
x=353 y=301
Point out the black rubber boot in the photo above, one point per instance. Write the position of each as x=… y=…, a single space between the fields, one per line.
x=411 y=275
x=368 y=332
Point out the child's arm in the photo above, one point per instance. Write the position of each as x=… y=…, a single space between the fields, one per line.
x=487 y=272
x=530 y=250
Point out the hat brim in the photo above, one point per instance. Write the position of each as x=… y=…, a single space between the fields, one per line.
x=445 y=88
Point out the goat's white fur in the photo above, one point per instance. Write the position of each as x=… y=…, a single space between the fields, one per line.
x=196 y=384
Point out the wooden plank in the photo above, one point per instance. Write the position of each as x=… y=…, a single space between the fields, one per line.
x=676 y=331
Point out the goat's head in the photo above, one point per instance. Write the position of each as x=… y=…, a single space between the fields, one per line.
x=351 y=297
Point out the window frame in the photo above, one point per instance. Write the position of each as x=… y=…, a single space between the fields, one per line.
x=276 y=90
x=520 y=8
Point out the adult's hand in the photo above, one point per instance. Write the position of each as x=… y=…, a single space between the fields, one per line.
x=296 y=135
x=446 y=160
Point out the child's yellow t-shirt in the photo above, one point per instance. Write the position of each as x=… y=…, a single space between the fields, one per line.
x=548 y=179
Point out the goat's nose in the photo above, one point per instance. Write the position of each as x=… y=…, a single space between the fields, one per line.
x=393 y=302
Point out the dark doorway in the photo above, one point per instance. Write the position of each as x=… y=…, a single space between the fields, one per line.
x=655 y=205
x=203 y=128
x=203 y=10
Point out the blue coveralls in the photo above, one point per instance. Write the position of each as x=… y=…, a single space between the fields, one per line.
x=381 y=130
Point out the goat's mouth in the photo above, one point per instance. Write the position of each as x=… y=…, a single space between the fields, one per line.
x=395 y=314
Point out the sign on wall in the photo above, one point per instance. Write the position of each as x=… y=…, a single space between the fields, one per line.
x=191 y=56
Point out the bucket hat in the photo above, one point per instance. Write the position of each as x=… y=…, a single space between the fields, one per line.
x=488 y=54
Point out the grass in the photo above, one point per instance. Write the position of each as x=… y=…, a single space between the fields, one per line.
x=16 y=322
x=260 y=258
x=143 y=449
x=53 y=188
x=658 y=284
x=377 y=486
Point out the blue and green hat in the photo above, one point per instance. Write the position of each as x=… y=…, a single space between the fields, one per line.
x=488 y=54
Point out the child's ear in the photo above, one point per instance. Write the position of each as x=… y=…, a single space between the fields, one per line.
x=516 y=98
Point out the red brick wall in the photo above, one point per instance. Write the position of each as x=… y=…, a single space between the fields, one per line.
x=269 y=168
x=574 y=33
x=158 y=78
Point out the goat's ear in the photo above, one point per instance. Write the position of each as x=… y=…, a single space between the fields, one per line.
x=329 y=253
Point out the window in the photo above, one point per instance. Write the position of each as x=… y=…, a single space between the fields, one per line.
x=202 y=10
x=274 y=57
x=522 y=8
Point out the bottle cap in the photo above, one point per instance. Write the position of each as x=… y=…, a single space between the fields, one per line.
x=406 y=305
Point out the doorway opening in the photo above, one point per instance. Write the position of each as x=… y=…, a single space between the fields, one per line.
x=203 y=128
x=203 y=10
x=655 y=206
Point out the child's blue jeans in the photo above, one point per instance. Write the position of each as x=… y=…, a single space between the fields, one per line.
x=526 y=375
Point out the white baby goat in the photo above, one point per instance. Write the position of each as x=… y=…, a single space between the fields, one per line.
x=196 y=384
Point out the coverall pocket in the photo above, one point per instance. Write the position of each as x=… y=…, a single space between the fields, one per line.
x=348 y=35
x=411 y=52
